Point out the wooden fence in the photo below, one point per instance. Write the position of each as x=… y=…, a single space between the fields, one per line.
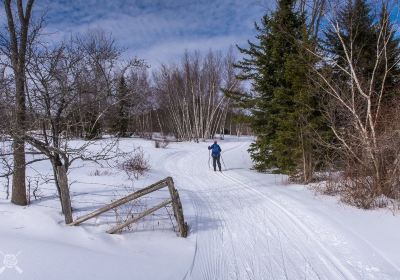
x=174 y=200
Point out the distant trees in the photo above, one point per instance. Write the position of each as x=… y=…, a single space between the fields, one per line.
x=190 y=95
x=121 y=119
x=99 y=60
x=133 y=103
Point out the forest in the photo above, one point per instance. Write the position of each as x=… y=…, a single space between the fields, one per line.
x=317 y=86
x=114 y=116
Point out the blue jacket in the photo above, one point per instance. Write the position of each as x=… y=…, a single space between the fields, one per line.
x=215 y=150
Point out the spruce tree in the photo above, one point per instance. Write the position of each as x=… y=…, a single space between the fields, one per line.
x=356 y=27
x=284 y=108
x=361 y=30
x=121 y=120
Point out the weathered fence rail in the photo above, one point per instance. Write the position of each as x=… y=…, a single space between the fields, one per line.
x=174 y=200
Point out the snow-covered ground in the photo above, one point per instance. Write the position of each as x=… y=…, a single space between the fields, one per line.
x=244 y=225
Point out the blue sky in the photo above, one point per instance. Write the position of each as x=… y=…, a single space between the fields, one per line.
x=158 y=30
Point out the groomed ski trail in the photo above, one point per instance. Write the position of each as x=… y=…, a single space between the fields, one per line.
x=241 y=233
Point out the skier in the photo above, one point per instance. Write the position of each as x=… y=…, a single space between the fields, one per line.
x=216 y=155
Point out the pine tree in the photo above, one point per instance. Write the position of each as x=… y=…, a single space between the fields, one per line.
x=360 y=31
x=284 y=108
x=357 y=30
x=121 y=121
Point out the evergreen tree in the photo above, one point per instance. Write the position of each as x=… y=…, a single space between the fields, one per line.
x=357 y=30
x=284 y=107
x=392 y=80
x=360 y=32
x=121 y=121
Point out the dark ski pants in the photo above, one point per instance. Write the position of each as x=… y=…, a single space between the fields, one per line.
x=216 y=160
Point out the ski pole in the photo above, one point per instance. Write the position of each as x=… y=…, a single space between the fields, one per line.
x=209 y=159
x=223 y=162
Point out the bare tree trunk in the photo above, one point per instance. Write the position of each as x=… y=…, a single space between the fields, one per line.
x=64 y=193
x=18 y=46
x=18 y=195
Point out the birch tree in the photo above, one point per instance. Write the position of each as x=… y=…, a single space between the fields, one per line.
x=191 y=93
x=360 y=120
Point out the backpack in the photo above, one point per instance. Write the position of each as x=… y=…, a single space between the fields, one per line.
x=215 y=149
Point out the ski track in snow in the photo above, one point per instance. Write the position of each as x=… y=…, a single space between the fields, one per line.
x=242 y=233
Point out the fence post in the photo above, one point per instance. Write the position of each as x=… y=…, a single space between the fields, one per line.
x=177 y=207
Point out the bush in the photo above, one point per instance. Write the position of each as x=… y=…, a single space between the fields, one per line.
x=355 y=189
x=136 y=165
x=161 y=143
x=98 y=172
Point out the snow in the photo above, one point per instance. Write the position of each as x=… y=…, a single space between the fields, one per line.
x=243 y=225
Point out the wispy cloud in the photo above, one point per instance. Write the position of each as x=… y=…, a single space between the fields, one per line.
x=158 y=30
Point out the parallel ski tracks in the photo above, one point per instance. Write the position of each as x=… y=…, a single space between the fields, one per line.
x=241 y=233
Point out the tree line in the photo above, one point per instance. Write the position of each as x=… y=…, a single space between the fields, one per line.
x=325 y=95
x=82 y=88
x=323 y=101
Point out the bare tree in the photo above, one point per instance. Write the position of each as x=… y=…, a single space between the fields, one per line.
x=316 y=10
x=15 y=48
x=366 y=131
x=55 y=84
x=98 y=63
x=192 y=94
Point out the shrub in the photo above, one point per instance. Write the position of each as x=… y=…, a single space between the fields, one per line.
x=161 y=143
x=136 y=165
x=98 y=172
